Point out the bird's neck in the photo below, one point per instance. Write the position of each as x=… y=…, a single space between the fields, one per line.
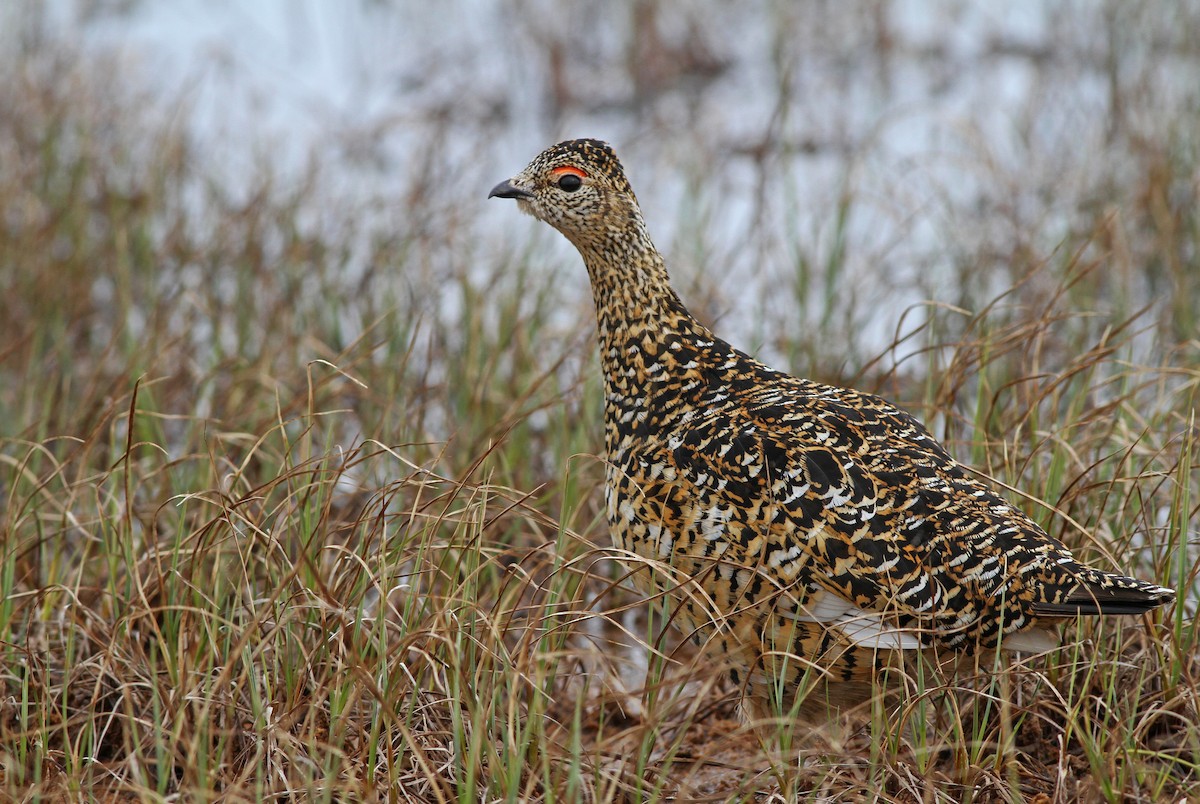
x=650 y=345
x=635 y=303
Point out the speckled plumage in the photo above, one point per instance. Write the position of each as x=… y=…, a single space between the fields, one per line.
x=797 y=518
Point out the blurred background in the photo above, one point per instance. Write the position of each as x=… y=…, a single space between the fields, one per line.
x=821 y=175
x=798 y=161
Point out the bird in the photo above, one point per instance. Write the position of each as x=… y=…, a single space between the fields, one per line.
x=805 y=530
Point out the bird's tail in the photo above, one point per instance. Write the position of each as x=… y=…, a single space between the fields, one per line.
x=1097 y=592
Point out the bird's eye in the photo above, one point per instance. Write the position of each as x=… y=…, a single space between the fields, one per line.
x=569 y=182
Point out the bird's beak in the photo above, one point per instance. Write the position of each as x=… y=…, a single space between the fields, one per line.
x=506 y=189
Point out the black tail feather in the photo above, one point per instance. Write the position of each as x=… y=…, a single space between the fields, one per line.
x=1117 y=596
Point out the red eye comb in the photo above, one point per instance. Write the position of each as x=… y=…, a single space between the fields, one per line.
x=568 y=170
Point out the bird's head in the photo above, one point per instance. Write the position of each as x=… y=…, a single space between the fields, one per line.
x=576 y=186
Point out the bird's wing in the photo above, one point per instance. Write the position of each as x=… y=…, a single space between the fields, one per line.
x=844 y=493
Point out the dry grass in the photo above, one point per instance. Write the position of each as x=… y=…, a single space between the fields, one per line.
x=273 y=532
